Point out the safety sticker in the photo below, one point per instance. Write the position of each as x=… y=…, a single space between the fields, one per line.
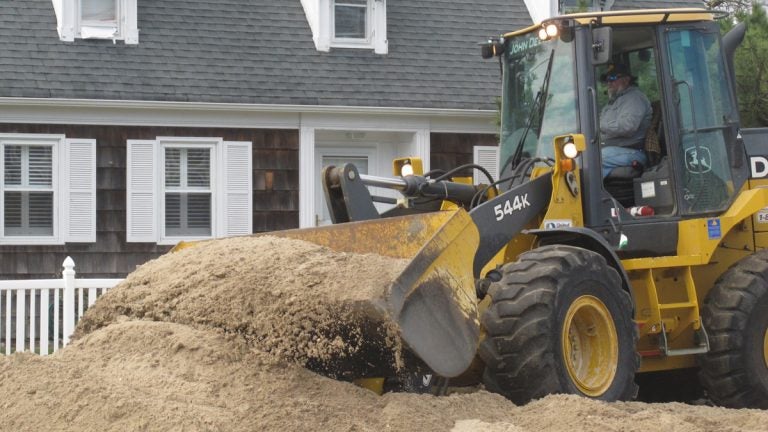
x=762 y=216
x=713 y=229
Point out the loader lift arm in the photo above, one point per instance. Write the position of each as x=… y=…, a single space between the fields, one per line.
x=498 y=220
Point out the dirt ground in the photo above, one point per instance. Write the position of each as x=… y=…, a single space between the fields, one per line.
x=213 y=338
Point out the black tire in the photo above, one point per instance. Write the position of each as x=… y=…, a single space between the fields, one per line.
x=735 y=370
x=525 y=343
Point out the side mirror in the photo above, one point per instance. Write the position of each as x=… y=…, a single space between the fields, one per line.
x=492 y=48
x=601 y=45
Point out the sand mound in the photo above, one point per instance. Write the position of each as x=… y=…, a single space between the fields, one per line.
x=289 y=298
x=157 y=376
x=206 y=340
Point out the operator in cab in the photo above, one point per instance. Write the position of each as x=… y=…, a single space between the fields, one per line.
x=623 y=120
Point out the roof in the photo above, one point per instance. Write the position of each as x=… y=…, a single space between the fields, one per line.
x=260 y=52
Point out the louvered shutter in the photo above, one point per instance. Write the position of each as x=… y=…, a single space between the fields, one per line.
x=238 y=192
x=80 y=192
x=141 y=191
x=488 y=158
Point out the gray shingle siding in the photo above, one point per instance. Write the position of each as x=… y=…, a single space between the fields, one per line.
x=260 y=52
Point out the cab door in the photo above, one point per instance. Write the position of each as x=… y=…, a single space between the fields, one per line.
x=704 y=120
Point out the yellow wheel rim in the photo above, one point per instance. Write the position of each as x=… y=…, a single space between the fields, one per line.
x=590 y=345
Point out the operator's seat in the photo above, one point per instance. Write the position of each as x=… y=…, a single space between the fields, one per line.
x=620 y=181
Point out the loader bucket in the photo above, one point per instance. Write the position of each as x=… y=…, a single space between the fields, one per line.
x=432 y=302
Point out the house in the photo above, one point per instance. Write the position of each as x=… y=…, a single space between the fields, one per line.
x=129 y=125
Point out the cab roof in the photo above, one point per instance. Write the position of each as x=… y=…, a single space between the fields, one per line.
x=641 y=16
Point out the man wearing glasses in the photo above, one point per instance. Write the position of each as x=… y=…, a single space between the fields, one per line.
x=623 y=121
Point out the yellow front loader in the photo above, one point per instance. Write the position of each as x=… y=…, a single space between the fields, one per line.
x=556 y=279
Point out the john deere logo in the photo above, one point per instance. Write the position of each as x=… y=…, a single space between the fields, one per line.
x=759 y=165
x=698 y=160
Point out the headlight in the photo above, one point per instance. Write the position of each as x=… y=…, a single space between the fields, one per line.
x=406 y=170
x=570 y=151
x=551 y=30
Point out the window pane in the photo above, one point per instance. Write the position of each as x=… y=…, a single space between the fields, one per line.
x=199 y=212
x=703 y=110
x=188 y=214
x=99 y=10
x=29 y=213
x=12 y=165
x=41 y=211
x=12 y=210
x=173 y=167
x=172 y=211
x=198 y=167
x=349 y=19
x=40 y=166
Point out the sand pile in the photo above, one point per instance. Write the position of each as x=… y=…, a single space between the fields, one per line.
x=292 y=299
x=207 y=340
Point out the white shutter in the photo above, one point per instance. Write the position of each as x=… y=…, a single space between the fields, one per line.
x=488 y=158
x=238 y=192
x=79 y=200
x=130 y=30
x=141 y=191
x=380 y=44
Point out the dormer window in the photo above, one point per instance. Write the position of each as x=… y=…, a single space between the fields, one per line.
x=348 y=24
x=97 y=19
x=350 y=21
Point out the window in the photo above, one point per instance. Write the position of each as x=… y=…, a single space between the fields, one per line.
x=187 y=192
x=351 y=20
x=348 y=24
x=97 y=19
x=188 y=189
x=28 y=194
x=48 y=189
x=704 y=114
x=98 y=12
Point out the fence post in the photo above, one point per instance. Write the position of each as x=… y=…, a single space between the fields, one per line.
x=69 y=298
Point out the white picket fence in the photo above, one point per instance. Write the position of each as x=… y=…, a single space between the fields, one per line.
x=46 y=310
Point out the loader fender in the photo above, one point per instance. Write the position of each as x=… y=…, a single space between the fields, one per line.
x=587 y=239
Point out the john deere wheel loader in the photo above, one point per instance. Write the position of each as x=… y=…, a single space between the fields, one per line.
x=552 y=279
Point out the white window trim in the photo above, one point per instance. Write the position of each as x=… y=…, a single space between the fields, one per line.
x=223 y=195
x=56 y=142
x=320 y=16
x=341 y=42
x=216 y=147
x=70 y=26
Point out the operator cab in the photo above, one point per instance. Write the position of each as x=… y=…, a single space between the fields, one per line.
x=695 y=163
